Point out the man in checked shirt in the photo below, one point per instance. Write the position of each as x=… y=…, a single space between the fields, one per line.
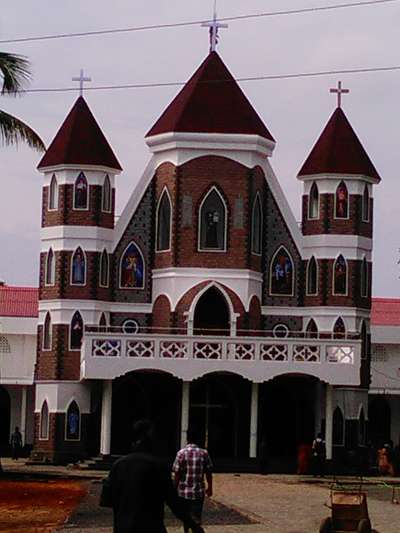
x=191 y=465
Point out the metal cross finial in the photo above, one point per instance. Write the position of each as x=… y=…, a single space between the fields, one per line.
x=81 y=80
x=339 y=91
x=214 y=26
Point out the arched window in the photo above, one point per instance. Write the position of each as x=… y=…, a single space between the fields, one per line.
x=81 y=190
x=132 y=267
x=4 y=345
x=312 y=277
x=340 y=276
x=50 y=268
x=44 y=422
x=339 y=329
x=47 y=327
x=361 y=428
x=281 y=273
x=313 y=202
x=106 y=197
x=338 y=427
x=53 y=193
x=163 y=217
x=73 y=422
x=365 y=205
x=341 y=201
x=76 y=332
x=78 y=267
x=256 y=226
x=104 y=269
x=364 y=278
x=212 y=222
x=312 y=329
x=103 y=320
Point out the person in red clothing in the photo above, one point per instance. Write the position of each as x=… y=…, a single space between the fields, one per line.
x=192 y=464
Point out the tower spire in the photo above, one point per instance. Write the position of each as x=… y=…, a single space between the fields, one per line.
x=214 y=26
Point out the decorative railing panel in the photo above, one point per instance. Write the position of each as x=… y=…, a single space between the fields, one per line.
x=140 y=348
x=106 y=348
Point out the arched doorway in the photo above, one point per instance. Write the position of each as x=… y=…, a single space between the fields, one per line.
x=5 y=409
x=379 y=416
x=287 y=411
x=219 y=414
x=211 y=316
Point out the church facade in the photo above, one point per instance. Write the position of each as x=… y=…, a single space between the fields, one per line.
x=205 y=304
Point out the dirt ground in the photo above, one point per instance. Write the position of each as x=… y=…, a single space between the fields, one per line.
x=37 y=506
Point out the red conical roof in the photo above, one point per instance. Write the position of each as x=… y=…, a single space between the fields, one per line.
x=339 y=151
x=80 y=141
x=211 y=102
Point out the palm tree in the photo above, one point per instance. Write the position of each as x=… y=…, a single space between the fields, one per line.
x=15 y=74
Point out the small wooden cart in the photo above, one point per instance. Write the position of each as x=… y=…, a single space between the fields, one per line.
x=349 y=512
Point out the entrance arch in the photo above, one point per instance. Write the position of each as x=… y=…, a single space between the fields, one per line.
x=5 y=411
x=212 y=313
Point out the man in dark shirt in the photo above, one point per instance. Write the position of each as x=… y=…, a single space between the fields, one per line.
x=138 y=486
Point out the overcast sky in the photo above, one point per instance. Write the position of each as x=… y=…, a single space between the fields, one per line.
x=295 y=111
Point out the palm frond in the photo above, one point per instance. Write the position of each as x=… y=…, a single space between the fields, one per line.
x=13 y=131
x=14 y=69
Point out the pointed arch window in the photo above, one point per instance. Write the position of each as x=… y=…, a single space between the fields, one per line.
x=342 y=201
x=164 y=222
x=256 y=226
x=104 y=269
x=53 y=193
x=81 y=192
x=313 y=202
x=281 y=273
x=340 y=276
x=312 y=277
x=103 y=322
x=76 y=331
x=365 y=205
x=339 y=329
x=132 y=268
x=47 y=331
x=212 y=222
x=44 y=422
x=73 y=422
x=50 y=268
x=338 y=427
x=312 y=329
x=364 y=278
x=106 y=197
x=78 y=267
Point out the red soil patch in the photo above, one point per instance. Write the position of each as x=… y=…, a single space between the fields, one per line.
x=37 y=506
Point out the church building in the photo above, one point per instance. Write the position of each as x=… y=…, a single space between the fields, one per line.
x=204 y=304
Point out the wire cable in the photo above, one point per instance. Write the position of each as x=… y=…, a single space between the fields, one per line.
x=364 y=3
x=321 y=73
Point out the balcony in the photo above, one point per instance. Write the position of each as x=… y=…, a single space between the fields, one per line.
x=108 y=353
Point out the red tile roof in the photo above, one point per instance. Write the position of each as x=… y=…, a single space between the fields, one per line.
x=211 y=102
x=19 y=301
x=385 y=312
x=80 y=141
x=338 y=151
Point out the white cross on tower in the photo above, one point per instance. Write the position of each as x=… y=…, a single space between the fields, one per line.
x=214 y=26
x=339 y=91
x=81 y=80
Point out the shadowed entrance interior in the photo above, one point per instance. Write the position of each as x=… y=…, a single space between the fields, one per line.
x=211 y=316
x=379 y=427
x=5 y=405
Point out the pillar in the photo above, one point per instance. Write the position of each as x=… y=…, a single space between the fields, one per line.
x=254 y=420
x=185 y=412
x=106 y=405
x=22 y=424
x=328 y=421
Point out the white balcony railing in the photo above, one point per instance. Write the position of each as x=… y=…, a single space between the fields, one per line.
x=108 y=355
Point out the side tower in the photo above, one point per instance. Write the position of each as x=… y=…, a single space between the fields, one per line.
x=78 y=202
x=337 y=224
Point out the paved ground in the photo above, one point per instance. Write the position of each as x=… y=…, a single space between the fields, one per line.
x=246 y=504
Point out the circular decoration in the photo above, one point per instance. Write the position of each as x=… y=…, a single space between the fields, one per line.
x=130 y=326
x=281 y=331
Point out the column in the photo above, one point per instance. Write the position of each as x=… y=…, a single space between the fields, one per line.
x=254 y=420
x=328 y=421
x=22 y=424
x=105 y=432
x=185 y=412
